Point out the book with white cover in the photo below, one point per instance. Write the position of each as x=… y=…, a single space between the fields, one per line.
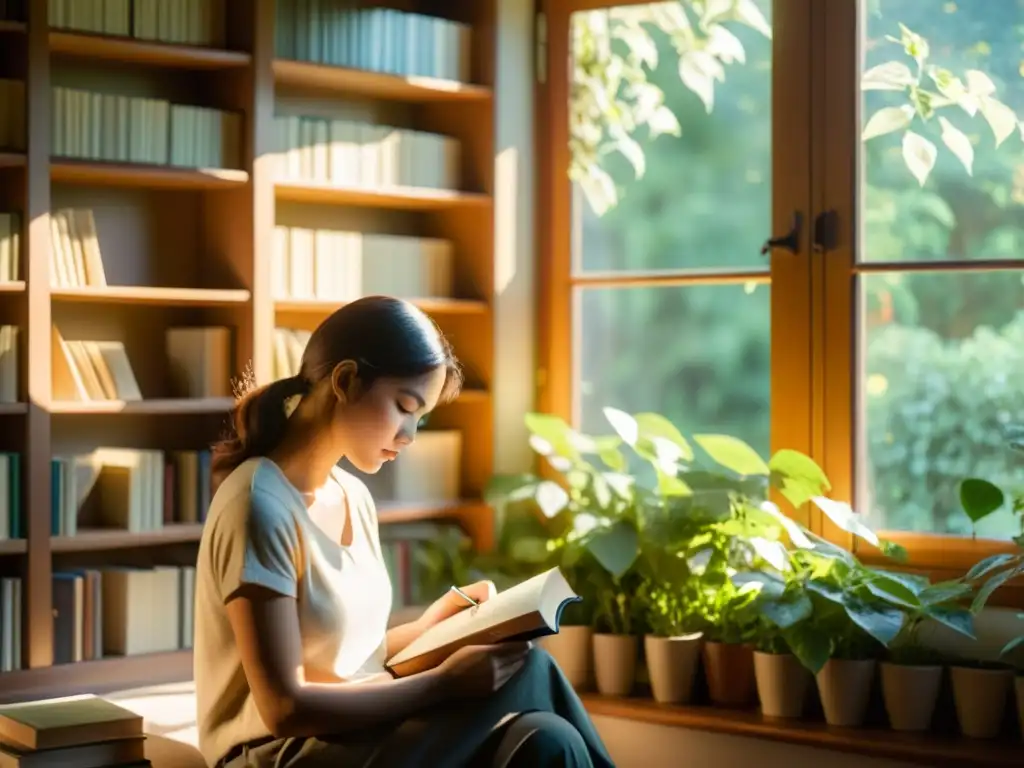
x=529 y=610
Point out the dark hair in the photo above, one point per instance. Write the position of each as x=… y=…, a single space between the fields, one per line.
x=385 y=336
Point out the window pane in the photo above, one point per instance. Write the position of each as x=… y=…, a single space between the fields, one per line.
x=943 y=361
x=967 y=153
x=690 y=187
x=698 y=355
x=941 y=352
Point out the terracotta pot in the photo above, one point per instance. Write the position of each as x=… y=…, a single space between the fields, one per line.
x=1018 y=684
x=910 y=693
x=730 y=674
x=615 y=663
x=672 y=666
x=844 y=686
x=572 y=649
x=782 y=684
x=980 y=696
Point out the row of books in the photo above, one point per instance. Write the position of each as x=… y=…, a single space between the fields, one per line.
x=12 y=115
x=13 y=10
x=122 y=612
x=128 y=489
x=75 y=257
x=376 y=39
x=12 y=524
x=112 y=127
x=10 y=247
x=343 y=266
x=10 y=623
x=192 y=22
x=354 y=153
x=199 y=360
x=9 y=335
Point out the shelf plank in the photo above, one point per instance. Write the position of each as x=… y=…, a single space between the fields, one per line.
x=14 y=286
x=8 y=27
x=156 y=407
x=102 y=676
x=432 y=306
x=145 y=176
x=13 y=409
x=145 y=52
x=472 y=515
x=12 y=159
x=400 y=198
x=13 y=547
x=378 y=85
x=102 y=540
x=144 y=294
x=929 y=749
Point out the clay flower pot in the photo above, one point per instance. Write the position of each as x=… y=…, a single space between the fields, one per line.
x=729 y=670
x=844 y=686
x=573 y=651
x=782 y=684
x=672 y=666
x=910 y=693
x=980 y=696
x=615 y=663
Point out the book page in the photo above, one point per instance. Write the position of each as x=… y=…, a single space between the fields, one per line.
x=520 y=600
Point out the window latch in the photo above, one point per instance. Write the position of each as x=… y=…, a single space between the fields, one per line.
x=826 y=231
x=790 y=241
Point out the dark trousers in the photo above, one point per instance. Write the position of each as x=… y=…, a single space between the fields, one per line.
x=536 y=720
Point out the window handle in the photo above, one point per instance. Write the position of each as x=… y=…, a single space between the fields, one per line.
x=826 y=231
x=790 y=241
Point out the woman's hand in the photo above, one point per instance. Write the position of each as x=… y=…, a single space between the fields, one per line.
x=480 y=670
x=450 y=603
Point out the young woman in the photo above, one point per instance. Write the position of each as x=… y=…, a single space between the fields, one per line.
x=293 y=597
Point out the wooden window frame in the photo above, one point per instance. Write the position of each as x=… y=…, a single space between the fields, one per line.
x=813 y=384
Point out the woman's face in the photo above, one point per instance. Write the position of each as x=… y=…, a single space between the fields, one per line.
x=377 y=424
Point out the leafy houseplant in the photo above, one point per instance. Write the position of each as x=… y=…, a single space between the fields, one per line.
x=671 y=647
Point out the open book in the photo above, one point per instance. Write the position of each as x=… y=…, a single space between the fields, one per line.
x=528 y=610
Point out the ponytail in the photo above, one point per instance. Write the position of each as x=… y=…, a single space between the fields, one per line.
x=258 y=424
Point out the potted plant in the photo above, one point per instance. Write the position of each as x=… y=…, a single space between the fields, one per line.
x=981 y=688
x=671 y=646
x=912 y=672
x=1012 y=651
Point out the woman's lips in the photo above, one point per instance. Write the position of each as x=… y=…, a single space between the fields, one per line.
x=389 y=455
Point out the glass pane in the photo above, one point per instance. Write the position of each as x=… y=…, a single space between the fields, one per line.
x=942 y=174
x=943 y=355
x=670 y=136
x=699 y=355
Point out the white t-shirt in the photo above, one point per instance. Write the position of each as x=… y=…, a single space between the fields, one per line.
x=259 y=531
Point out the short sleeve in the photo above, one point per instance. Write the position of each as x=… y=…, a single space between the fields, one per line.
x=256 y=543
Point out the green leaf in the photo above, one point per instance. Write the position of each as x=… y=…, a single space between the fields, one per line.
x=747 y=13
x=810 y=645
x=555 y=432
x=881 y=622
x=980 y=498
x=984 y=567
x=959 y=620
x=845 y=518
x=530 y=550
x=699 y=70
x=551 y=498
x=732 y=453
x=890 y=76
x=892 y=550
x=944 y=592
x=654 y=425
x=625 y=426
x=1000 y=118
x=919 y=154
x=887 y=120
x=1011 y=646
x=615 y=547
x=502 y=488
x=892 y=591
x=978 y=83
x=989 y=587
x=670 y=485
x=958 y=143
x=787 y=611
x=798 y=477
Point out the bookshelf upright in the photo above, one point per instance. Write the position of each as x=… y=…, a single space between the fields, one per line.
x=171 y=166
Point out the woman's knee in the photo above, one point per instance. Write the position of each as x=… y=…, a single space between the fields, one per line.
x=542 y=740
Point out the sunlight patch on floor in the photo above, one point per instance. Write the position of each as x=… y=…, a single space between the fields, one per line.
x=168 y=710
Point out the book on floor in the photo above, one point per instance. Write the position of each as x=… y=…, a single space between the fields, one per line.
x=529 y=610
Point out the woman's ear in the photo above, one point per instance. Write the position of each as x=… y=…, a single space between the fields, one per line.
x=345 y=381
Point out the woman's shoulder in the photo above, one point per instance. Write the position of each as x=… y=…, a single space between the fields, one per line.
x=252 y=488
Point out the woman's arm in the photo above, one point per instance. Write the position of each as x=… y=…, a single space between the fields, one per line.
x=403 y=634
x=266 y=629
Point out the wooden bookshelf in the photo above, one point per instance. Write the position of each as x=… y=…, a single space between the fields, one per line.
x=192 y=244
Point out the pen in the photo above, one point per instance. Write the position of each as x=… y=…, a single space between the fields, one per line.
x=464 y=596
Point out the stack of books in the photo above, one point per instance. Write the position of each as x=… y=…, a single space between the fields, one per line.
x=84 y=731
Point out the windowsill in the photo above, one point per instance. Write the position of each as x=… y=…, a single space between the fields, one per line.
x=929 y=749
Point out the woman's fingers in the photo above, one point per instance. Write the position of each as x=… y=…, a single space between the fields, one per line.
x=481 y=591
